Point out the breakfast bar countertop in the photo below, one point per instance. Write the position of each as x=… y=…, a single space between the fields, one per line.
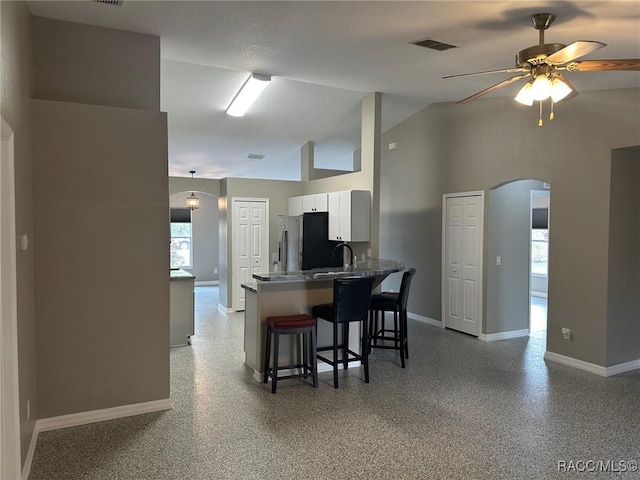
x=361 y=269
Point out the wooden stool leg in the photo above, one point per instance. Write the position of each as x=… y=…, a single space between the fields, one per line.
x=402 y=337
x=365 y=353
x=267 y=352
x=396 y=340
x=274 y=372
x=345 y=345
x=314 y=358
x=305 y=353
x=406 y=336
x=335 y=355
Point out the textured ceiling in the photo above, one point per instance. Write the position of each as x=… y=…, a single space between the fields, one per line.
x=324 y=57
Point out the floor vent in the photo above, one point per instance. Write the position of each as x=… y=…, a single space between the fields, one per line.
x=434 y=44
x=117 y=3
x=256 y=156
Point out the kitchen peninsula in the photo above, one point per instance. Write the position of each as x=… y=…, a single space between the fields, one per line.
x=293 y=292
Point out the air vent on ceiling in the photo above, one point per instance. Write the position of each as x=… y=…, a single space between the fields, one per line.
x=434 y=44
x=256 y=156
x=117 y=3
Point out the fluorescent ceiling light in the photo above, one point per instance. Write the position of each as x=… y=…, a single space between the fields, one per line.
x=248 y=94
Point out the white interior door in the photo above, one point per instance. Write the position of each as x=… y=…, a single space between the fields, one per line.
x=250 y=244
x=462 y=262
x=259 y=238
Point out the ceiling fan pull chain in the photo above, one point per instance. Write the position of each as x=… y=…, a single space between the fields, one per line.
x=551 y=115
x=540 y=119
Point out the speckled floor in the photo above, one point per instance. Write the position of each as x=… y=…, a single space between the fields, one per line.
x=462 y=409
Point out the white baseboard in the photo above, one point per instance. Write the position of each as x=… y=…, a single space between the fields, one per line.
x=492 y=337
x=539 y=294
x=592 y=367
x=427 y=320
x=26 y=468
x=82 y=418
x=205 y=283
x=623 y=367
x=223 y=309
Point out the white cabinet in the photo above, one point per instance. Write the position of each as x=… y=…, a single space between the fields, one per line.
x=349 y=215
x=295 y=206
x=314 y=203
x=308 y=204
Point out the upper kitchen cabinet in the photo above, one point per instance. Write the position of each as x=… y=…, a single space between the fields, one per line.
x=308 y=204
x=315 y=203
x=349 y=215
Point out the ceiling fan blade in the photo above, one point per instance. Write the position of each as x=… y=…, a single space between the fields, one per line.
x=603 y=65
x=574 y=92
x=492 y=88
x=575 y=50
x=503 y=70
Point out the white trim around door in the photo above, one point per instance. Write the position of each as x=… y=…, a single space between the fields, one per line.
x=10 y=458
x=462 y=261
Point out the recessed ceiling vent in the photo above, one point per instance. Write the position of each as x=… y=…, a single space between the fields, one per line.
x=434 y=44
x=256 y=156
x=117 y=3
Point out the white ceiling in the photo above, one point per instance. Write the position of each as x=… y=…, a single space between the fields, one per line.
x=324 y=57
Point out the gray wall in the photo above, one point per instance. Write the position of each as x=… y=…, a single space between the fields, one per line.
x=205 y=240
x=101 y=256
x=96 y=69
x=100 y=217
x=454 y=148
x=15 y=93
x=623 y=313
x=508 y=235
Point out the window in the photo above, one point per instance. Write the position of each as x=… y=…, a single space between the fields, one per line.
x=539 y=251
x=180 y=246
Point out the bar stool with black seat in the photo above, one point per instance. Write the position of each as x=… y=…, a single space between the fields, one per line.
x=302 y=324
x=379 y=334
x=351 y=297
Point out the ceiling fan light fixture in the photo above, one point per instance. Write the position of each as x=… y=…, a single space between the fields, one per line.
x=559 y=90
x=248 y=94
x=541 y=88
x=525 y=95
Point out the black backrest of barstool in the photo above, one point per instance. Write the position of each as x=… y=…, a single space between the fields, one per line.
x=403 y=296
x=351 y=297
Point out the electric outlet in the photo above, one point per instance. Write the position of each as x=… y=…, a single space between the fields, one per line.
x=566 y=334
x=498 y=260
x=28 y=409
x=215 y=270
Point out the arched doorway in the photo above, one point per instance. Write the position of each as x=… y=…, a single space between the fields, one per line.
x=512 y=246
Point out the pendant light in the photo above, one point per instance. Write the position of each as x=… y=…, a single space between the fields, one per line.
x=193 y=202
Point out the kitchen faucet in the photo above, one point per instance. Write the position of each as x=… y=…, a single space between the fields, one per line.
x=344 y=244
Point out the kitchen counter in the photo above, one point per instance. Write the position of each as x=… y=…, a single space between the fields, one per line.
x=295 y=292
x=369 y=268
x=181 y=301
x=181 y=274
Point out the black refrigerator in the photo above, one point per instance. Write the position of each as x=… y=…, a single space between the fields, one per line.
x=317 y=249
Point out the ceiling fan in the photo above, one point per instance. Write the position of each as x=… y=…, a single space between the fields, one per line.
x=544 y=64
